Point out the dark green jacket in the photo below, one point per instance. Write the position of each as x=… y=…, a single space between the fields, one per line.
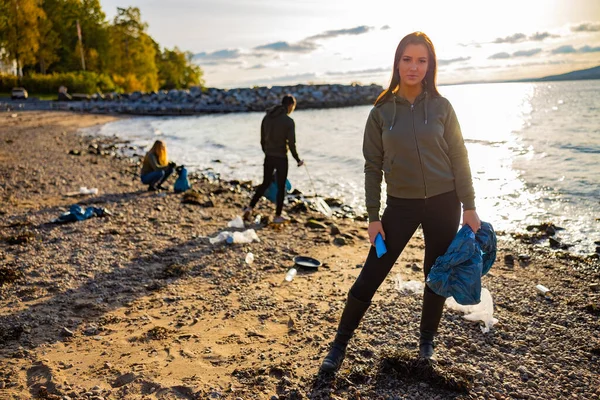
x=278 y=133
x=419 y=149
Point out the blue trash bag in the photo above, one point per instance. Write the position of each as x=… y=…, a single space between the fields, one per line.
x=271 y=192
x=76 y=213
x=458 y=272
x=182 y=183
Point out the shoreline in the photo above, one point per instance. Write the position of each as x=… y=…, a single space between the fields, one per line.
x=141 y=305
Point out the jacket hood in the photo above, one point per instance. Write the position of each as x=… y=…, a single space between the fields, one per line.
x=276 y=111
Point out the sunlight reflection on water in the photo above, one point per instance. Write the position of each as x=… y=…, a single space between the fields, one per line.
x=533 y=150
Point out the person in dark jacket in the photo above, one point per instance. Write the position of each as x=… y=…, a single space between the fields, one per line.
x=156 y=167
x=277 y=135
x=413 y=139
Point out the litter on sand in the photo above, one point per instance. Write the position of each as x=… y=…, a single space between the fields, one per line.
x=407 y=287
x=484 y=311
x=77 y=213
x=85 y=190
x=237 y=222
x=247 y=236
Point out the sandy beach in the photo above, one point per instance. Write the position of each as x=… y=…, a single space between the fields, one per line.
x=140 y=305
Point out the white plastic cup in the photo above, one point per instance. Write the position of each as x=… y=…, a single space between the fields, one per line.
x=249 y=258
x=291 y=274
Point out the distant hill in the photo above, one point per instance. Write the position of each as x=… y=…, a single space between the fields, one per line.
x=583 y=74
x=590 y=73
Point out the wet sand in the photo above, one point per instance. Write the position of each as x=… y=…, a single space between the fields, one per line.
x=139 y=304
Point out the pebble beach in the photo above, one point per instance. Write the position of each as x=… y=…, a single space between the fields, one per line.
x=139 y=304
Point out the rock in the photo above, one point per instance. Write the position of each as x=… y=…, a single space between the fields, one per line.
x=339 y=241
x=334 y=230
x=312 y=224
x=555 y=244
x=416 y=267
x=595 y=287
x=67 y=332
x=509 y=259
x=124 y=379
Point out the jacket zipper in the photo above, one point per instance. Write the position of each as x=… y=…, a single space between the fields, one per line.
x=412 y=113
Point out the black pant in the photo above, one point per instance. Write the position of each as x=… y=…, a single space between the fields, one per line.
x=279 y=164
x=439 y=217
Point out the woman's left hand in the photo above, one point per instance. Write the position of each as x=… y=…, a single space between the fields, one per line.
x=471 y=218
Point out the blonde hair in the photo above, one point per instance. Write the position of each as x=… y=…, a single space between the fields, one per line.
x=159 y=148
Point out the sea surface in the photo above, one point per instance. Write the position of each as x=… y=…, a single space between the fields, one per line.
x=534 y=150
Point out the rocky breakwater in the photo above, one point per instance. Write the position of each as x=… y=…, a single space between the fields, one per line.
x=197 y=100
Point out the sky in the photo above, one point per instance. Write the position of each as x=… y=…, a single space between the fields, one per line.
x=245 y=43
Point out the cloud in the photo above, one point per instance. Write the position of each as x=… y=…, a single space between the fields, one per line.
x=517 y=37
x=287 y=79
x=567 y=49
x=474 y=44
x=211 y=63
x=308 y=45
x=359 y=30
x=587 y=27
x=588 y=49
x=526 y=53
x=300 y=47
x=499 y=56
x=218 y=55
x=452 y=60
x=539 y=36
x=472 y=68
x=385 y=27
x=370 y=71
x=257 y=66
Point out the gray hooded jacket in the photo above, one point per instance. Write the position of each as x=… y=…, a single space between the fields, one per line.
x=419 y=149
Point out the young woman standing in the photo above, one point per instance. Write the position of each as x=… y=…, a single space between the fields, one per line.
x=413 y=139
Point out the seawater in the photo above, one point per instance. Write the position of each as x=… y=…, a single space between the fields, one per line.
x=534 y=151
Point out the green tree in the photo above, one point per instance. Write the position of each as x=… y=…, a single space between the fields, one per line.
x=64 y=15
x=176 y=70
x=19 y=30
x=132 y=52
x=48 y=45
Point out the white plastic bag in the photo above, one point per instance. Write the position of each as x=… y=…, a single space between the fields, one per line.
x=407 y=287
x=484 y=311
x=221 y=237
x=247 y=236
x=237 y=222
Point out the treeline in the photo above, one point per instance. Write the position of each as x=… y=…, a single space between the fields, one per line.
x=64 y=38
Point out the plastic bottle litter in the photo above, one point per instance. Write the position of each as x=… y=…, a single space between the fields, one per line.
x=249 y=258
x=237 y=222
x=291 y=274
x=543 y=290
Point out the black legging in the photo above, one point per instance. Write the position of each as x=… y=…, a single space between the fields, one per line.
x=279 y=164
x=439 y=217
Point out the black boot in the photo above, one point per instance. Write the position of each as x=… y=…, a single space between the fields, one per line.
x=433 y=306
x=425 y=348
x=353 y=312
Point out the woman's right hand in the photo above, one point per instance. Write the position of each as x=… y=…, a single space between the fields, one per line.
x=375 y=227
